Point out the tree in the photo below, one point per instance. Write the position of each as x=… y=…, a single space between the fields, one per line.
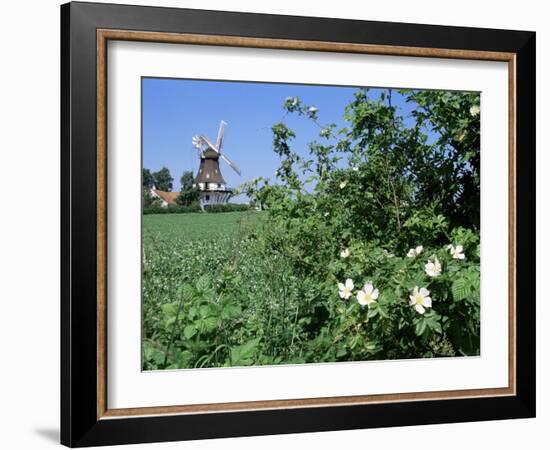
x=163 y=180
x=147 y=179
x=414 y=175
x=188 y=193
x=149 y=200
x=453 y=182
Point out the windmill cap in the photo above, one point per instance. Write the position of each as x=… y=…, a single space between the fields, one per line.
x=210 y=154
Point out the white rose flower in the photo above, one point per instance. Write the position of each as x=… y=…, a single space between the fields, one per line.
x=343 y=184
x=345 y=253
x=367 y=295
x=413 y=252
x=433 y=269
x=420 y=300
x=345 y=289
x=456 y=252
x=474 y=111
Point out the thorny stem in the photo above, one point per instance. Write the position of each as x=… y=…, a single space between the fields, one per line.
x=390 y=181
x=173 y=334
x=238 y=242
x=294 y=326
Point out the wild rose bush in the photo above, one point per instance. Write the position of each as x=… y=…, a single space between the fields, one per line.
x=394 y=213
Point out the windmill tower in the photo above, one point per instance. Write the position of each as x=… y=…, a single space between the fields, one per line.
x=209 y=180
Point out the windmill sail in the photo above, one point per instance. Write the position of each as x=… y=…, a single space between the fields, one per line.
x=231 y=164
x=219 y=141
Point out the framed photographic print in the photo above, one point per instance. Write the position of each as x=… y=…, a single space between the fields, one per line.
x=276 y=224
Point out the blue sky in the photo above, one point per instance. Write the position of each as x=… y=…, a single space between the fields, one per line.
x=174 y=110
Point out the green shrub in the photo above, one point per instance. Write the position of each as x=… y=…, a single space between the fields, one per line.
x=227 y=207
x=193 y=208
x=171 y=209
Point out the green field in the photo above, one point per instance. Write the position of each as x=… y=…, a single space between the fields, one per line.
x=202 y=282
x=193 y=226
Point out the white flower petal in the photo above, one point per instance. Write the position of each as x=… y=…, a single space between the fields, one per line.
x=424 y=292
x=411 y=253
x=459 y=249
x=349 y=283
x=368 y=288
x=419 y=309
x=374 y=294
x=427 y=302
x=345 y=253
x=419 y=249
x=361 y=298
x=415 y=291
x=341 y=286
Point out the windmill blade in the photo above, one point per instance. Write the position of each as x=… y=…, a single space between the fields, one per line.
x=231 y=164
x=207 y=142
x=221 y=131
x=197 y=142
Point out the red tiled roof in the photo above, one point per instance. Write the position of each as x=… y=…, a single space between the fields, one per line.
x=168 y=197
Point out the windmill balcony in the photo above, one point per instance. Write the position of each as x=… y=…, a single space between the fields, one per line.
x=216 y=187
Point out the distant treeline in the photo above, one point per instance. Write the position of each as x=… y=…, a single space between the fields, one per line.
x=194 y=208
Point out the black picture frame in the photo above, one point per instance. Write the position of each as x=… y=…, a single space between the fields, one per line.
x=80 y=425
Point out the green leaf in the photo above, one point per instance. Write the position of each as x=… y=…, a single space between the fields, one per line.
x=152 y=354
x=192 y=312
x=205 y=311
x=203 y=284
x=184 y=359
x=242 y=355
x=187 y=291
x=383 y=312
x=189 y=331
x=433 y=323
x=169 y=309
x=373 y=310
x=341 y=352
x=460 y=289
x=231 y=311
x=211 y=324
x=420 y=327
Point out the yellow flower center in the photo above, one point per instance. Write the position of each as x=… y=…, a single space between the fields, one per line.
x=418 y=299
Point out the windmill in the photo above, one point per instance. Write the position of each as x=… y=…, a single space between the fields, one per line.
x=209 y=180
